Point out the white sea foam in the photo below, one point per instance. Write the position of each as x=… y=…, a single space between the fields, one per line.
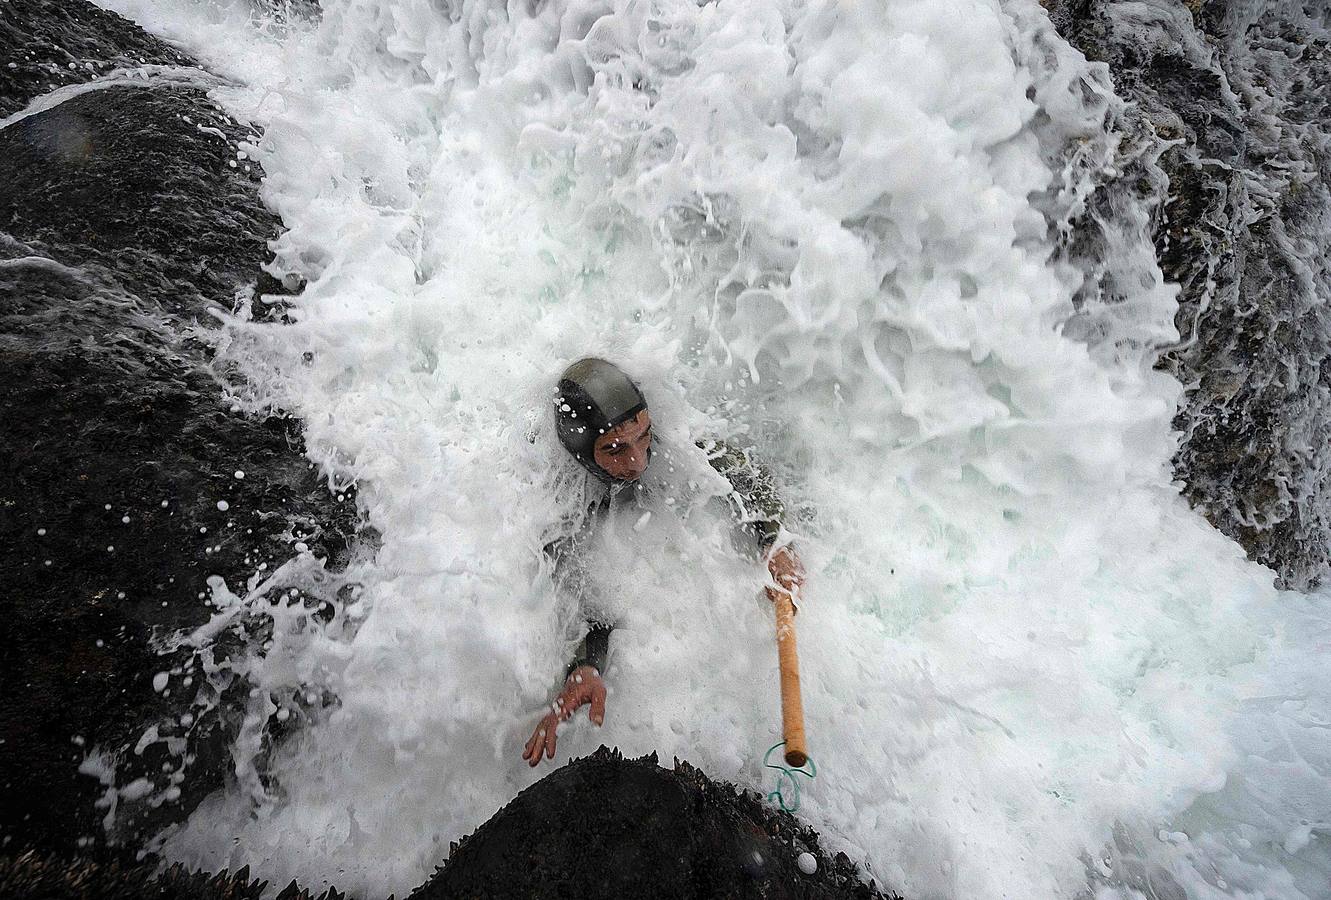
x=816 y=224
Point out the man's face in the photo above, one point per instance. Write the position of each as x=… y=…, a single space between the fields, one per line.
x=622 y=451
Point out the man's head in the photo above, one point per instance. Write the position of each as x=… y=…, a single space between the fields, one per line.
x=602 y=420
x=624 y=450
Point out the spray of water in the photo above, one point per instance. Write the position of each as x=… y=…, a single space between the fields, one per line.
x=836 y=232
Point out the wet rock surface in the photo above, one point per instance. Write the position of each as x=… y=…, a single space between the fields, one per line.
x=608 y=827
x=35 y=876
x=129 y=477
x=1237 y=98
x=48 y=44
x=143 y=185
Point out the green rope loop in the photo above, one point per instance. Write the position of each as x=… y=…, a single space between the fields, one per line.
x=785 y=773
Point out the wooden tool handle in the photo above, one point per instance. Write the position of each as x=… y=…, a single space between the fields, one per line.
x=792 y=705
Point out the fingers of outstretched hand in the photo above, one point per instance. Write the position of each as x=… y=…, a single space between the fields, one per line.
x=568 y=702
x=575 y=694
x=542 y=740
x=532 y=752
x=551 y=735
x=597 y=712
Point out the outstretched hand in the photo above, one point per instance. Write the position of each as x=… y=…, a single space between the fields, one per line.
x=787 y=571
x=584 y=685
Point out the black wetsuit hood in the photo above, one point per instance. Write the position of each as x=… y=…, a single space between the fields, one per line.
x=593 y=397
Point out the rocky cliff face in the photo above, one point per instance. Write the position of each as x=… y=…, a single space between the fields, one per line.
x=129 y=478
x=1236 y=99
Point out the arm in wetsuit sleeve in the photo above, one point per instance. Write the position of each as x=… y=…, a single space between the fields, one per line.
x=758 y=507
x=578 y=690
x=594 y=648
x=754 y=497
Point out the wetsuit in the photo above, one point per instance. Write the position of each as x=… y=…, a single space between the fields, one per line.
x=753 y=500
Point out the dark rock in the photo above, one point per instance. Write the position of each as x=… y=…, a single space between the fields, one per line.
x=1237 y=98
x=602 y=826
x=142 y=184
x=47 y=44
x=123 y=220
x=38 y=876
x=609 y=827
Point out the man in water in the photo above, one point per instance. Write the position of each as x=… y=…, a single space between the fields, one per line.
x=602 y=420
